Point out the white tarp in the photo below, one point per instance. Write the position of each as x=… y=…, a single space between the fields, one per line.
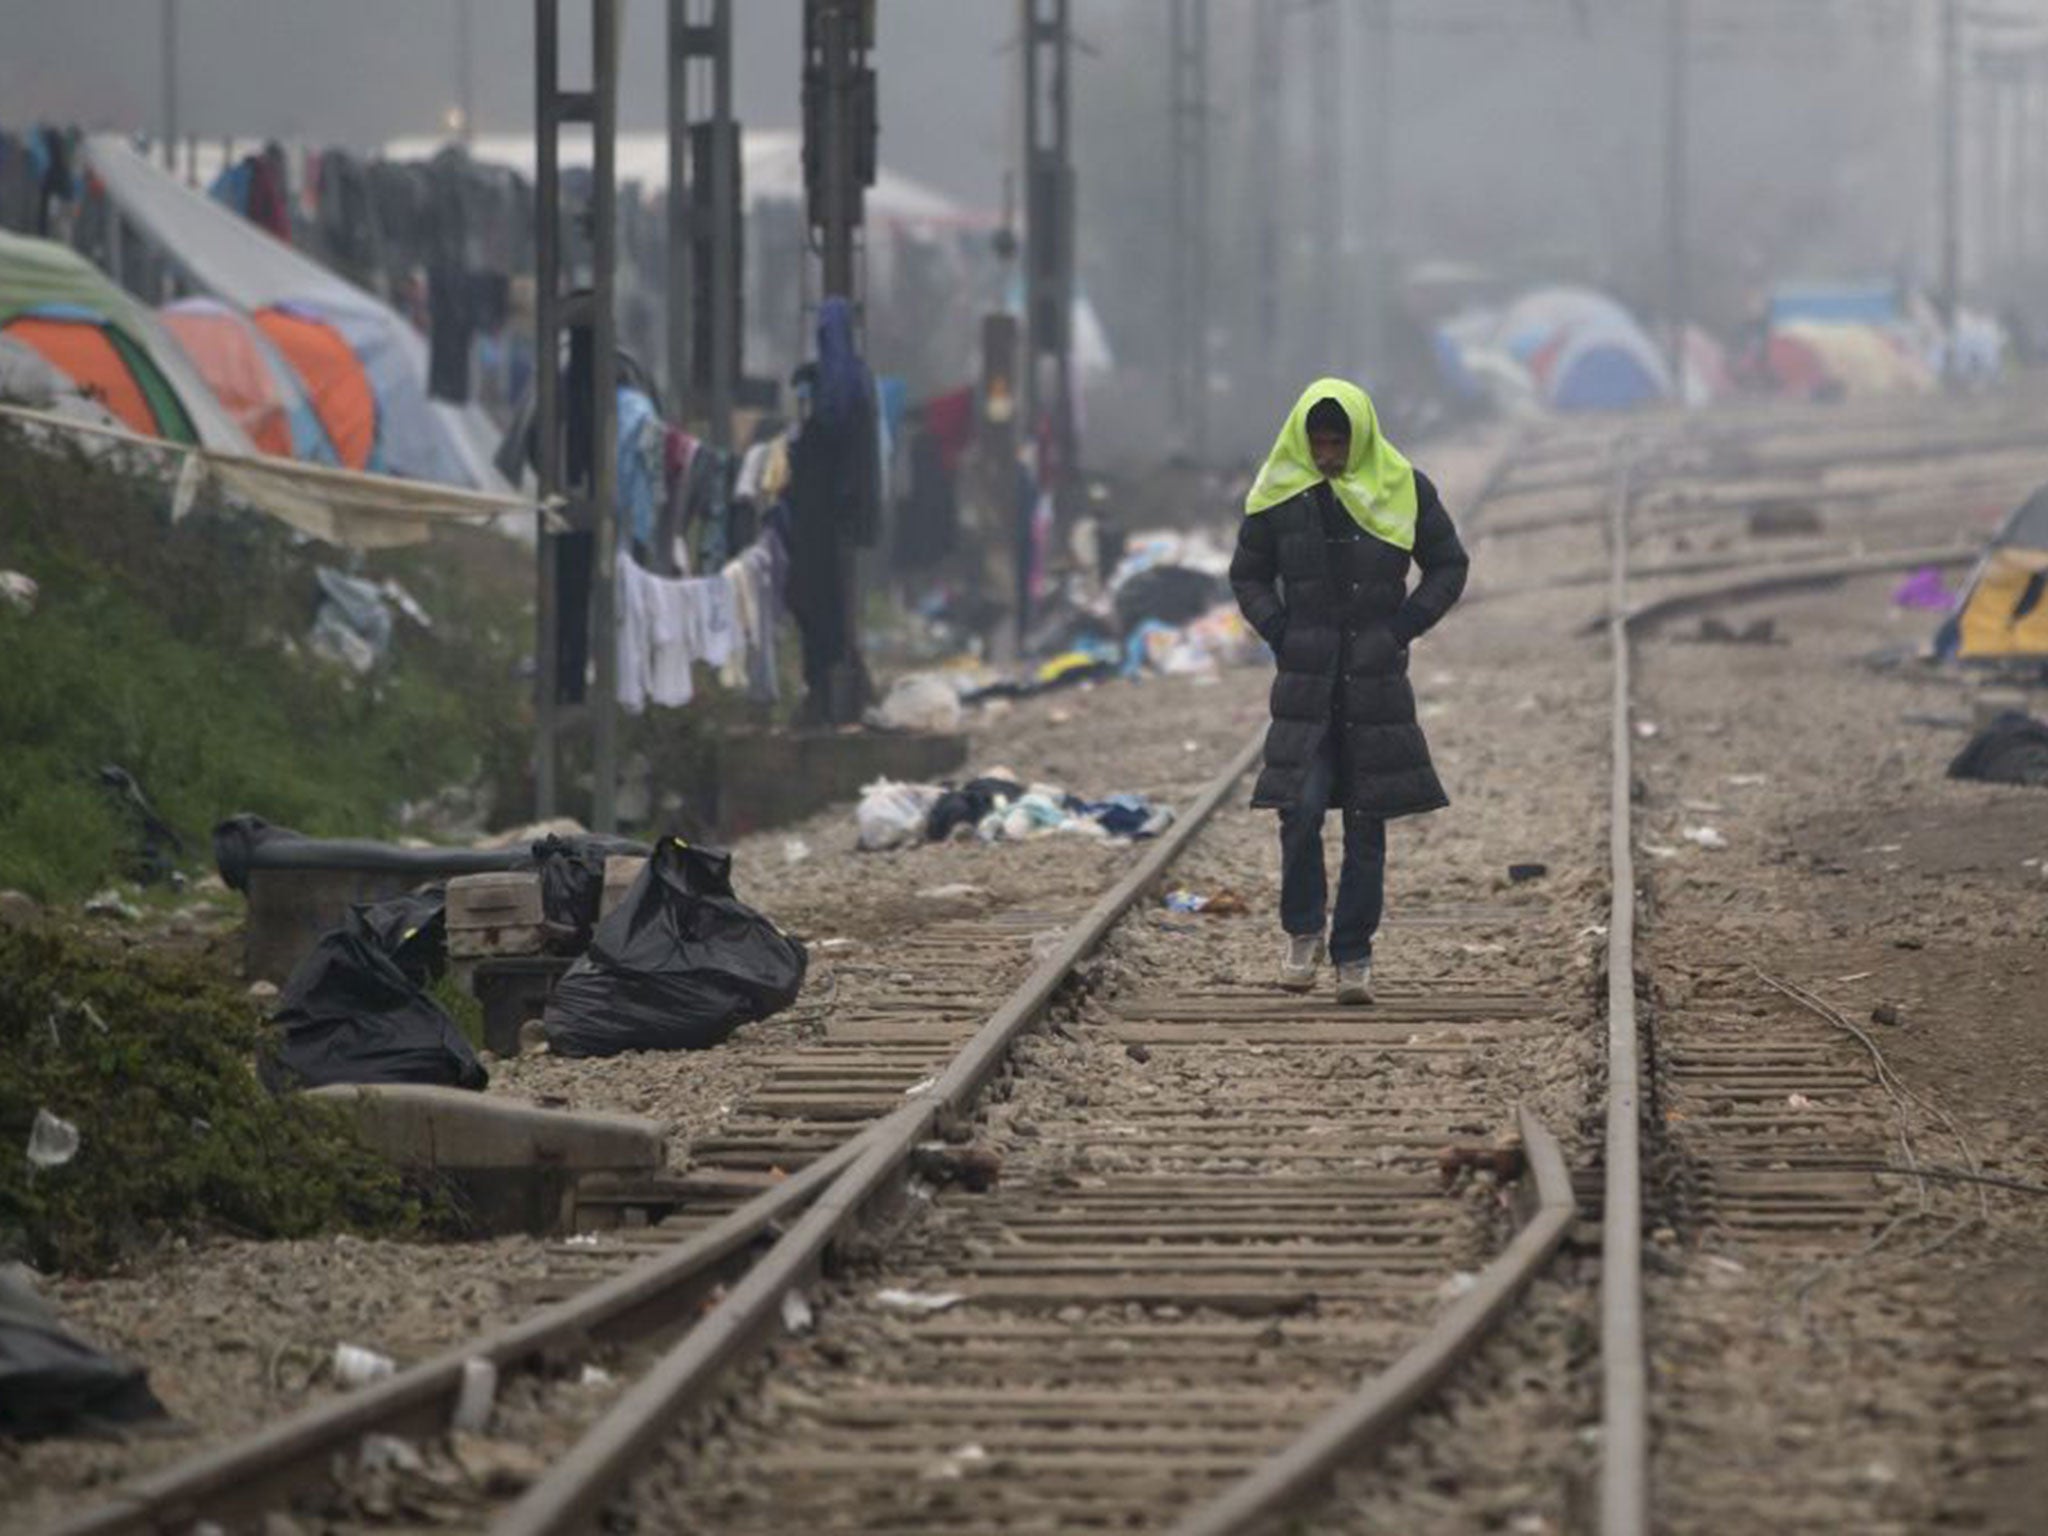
x=235 y=260
x=337 y=506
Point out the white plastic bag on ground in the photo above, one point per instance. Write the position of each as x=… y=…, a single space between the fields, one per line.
x=923 y=701
x=892 y=815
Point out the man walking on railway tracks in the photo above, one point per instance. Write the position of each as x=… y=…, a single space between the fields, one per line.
x=1333 y=524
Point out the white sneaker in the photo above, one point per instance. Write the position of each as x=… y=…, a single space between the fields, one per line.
x=1354 y=981
x=1298 y=965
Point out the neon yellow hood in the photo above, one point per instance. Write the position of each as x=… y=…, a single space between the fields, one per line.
x=1378 y=485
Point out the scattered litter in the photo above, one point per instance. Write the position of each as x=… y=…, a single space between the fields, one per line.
x=1884 y=848
x=1520 y=873
x=1704 y=837
x=1483 y=949
x=1924 y=589
x=352 y=627
x=794 y=851
x=52 y=1141
x=1725 y=1264
x=1700 y=807
x=355 y=1366
x=1595 y=930
x=922 y=1085
x=110 y=903
x=1659 y=850
x=831 y=945
x=1887 y=1014
x=473 y=1402
x=1224 y=903
x=921 y=1302
x=1748 y=780
x=1457 y=1285
x=583 y=1240
x=1798 y=1101
x=796 y=1312
x=1646 y=729
x=57 y=1384
x=390 y=1453
x=1047 y=944
x=959 y=891
x=891 y=815
x=955 y=1463
x=1854 y=976
x=1191 y=746
x=18 y=591
x=1713 y=631
x=924 y=702
x=595 y=1376
x=2012 y=749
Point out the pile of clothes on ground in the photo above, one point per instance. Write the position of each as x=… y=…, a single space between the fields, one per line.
x=997 y=807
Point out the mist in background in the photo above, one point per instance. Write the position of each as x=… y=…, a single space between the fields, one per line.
x=1526 y=144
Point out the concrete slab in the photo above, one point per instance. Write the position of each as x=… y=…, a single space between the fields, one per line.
x=514 y=1163
x=771 y=779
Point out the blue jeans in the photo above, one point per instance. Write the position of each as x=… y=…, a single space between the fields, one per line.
x=1304 y=885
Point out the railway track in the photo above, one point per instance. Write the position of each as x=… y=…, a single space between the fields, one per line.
x=1193 y=1292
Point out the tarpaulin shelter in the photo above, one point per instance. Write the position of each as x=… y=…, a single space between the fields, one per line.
x=2003 y=612
x=234 y=260
x=250 y=377
x=111 y=346
x=1836 y=304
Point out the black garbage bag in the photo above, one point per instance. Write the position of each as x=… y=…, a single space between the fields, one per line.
x=1172 y=594
x=2012 y=749
x=678 y=966
x=355 y=1010
x=237 y=838
x=413 y=930
x=51 y=1383
x=572 y=881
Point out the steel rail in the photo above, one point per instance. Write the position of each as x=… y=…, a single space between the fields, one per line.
x=247 y=1477
x=572 y=1495
x=1382 y=1404
x=1624 y=1486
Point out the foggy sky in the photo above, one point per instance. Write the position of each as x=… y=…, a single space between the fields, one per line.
x=359 y=72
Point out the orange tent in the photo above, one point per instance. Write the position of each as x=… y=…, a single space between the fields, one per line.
x=117 y=375
x=334 y=380
x=230 y=358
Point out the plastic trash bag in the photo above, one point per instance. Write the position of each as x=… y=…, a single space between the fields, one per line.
x=2012 y=749
x=51 y=1383
x=891 y=815
x=572 y=881
x=355 y=1009
x=920 y=702
x=678 y=966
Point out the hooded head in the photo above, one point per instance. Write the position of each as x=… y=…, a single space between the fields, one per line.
x=1333 y=434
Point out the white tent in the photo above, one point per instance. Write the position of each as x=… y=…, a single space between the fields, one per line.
x=771 y=170
x=233 y=259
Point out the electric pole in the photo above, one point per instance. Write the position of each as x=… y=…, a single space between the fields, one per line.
x=1677 y=167
x=1377 y=290
x=1049 y=230
x=1325 y=121
x=1188 y=261
x=1265 y=179
x=1948 y=76
x=586 y=483
x=170 y=84
x=704 y=224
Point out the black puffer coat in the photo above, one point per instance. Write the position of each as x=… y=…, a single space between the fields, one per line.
x=1339 y=616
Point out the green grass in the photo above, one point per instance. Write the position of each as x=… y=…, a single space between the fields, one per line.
x=175 y=653
x=152 y=1059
